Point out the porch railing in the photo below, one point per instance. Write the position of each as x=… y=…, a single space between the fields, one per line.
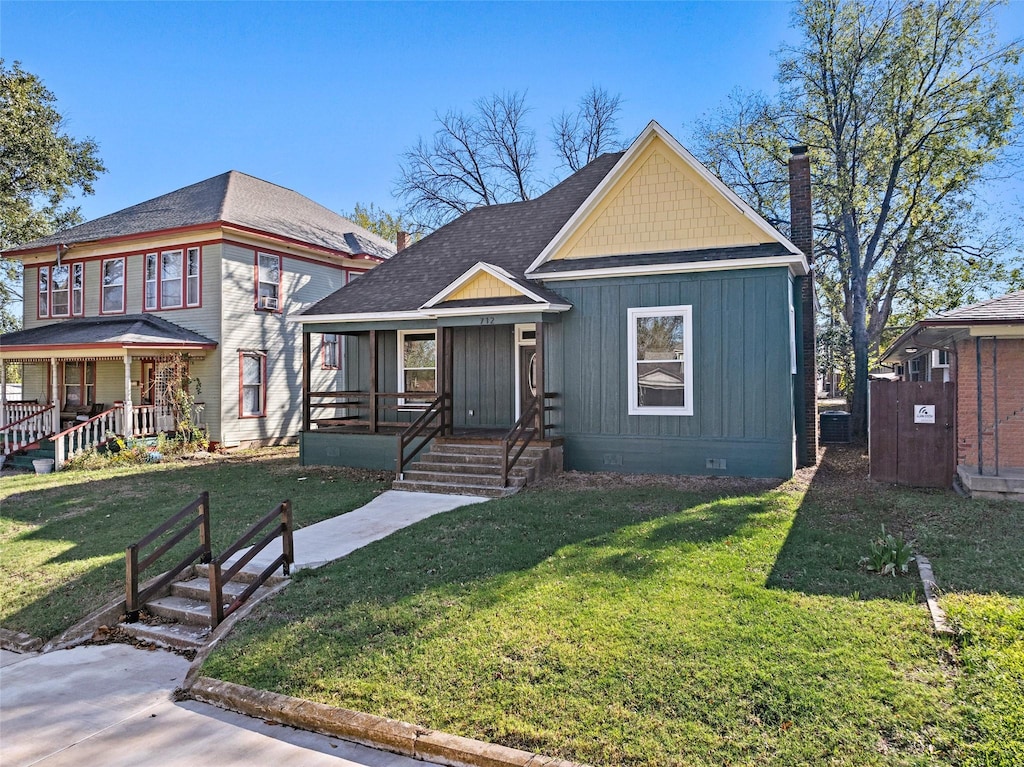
x=363 y=409
x=17 y=411
x=198 y=515
x=36 y=425
x=221 y=576
x=91 y=433
x=518 y=438
x=143 y=420
x=431 y=422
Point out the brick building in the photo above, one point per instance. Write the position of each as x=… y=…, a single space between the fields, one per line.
x=980 y=348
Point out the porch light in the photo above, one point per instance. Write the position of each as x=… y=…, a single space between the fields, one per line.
x=911 y=350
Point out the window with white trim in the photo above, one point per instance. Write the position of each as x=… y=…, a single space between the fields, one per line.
x=661 y=360
x=417 y=365
x=172 y=279
x=60 y=290
x=112 y=289
x=252 y=384
x=268 y=281
x=330 y=346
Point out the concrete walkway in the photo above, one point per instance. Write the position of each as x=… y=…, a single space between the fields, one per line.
x=111 y=704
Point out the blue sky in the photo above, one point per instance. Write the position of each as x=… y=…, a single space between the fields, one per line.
x=324 y=97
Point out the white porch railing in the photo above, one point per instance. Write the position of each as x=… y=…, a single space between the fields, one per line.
x=91 y=433
x=144 y=420
x=36 y=425
x=16 y=411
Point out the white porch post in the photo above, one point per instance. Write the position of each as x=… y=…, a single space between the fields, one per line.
x=54 y=395
x=128 y=426
x=3 y=392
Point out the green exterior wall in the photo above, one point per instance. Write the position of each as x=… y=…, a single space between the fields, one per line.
x=743 y=398
x=360 y=451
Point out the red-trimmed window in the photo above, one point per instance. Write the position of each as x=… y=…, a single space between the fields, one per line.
x=172 y=279
x=61 y=288
x=112 y=295
x=268 y=282
x=330 y=347
x=79 y=384
x=252 y=384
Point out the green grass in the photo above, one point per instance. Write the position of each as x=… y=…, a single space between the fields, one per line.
x=656 y=626
x=63 y=535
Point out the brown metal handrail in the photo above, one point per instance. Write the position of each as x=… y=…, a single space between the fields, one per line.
x=516 y=434
x=435 y=411
x=134 y=598
x=220 y=577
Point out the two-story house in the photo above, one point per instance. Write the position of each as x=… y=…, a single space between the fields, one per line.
x=212 y=271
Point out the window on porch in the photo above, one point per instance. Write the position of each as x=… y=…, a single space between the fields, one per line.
x=330 y=346
x=417 y=365
x=79 y=384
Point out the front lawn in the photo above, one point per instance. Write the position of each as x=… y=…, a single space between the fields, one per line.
x=684 y=623
x=63 y=535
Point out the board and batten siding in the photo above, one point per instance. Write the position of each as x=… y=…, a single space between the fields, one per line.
x=242 y=328
x=743 y=400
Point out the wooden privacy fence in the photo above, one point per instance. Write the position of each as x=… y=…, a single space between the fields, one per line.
x=910 y=434
x=198 y=515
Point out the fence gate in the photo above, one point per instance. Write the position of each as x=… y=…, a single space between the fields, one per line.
x=911 y=433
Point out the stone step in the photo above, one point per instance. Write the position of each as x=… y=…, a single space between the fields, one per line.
x=176 y=636
x=199 y=589
x=455 y=478
x=469 y=448
x=427 y=464
x=181 y=609
x=246 y=576
x=478 y=460
x=454 y=489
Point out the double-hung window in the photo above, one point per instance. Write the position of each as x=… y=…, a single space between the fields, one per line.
x=61 y=290
x=661 y=361
x=252 y=384
x=172 y=279
x=330 y=346
x=417 y=365
x=79 y=383
x=112 y=295
x=268 y=281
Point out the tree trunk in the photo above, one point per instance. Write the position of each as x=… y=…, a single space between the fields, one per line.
x=859 y=337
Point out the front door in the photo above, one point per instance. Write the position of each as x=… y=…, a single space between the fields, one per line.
x=527 y=376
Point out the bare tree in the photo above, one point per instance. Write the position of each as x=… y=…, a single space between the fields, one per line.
x=481 y=158
x=582 y=136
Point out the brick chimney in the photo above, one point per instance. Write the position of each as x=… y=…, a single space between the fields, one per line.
x=802 y=235
x=403 y=241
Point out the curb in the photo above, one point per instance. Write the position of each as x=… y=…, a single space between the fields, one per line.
x=939 y=622
x=20 y=642
x=366 y=729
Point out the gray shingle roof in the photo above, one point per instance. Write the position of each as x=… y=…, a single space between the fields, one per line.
x=126 y=330
x=236 y=198
x=510 y=236
x=1008 y=308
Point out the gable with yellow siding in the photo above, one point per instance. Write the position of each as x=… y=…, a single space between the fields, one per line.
x=660 y=204
x=484 y=285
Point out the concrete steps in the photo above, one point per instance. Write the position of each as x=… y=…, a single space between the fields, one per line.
x=473 y=467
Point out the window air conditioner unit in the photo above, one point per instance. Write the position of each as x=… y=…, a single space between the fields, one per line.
x=268 y=302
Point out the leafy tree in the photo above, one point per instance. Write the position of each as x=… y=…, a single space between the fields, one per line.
x=906 y=106
x=381 y=222
x=41 y=166
x=487 y=156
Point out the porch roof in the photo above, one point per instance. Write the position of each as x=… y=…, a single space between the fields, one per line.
x=124 y=331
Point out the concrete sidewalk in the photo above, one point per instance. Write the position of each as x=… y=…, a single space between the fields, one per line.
x=111 y=704
x=336 y=537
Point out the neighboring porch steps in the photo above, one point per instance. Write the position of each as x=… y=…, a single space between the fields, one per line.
x=467 y=467
x=22 y=459
x=187 y=608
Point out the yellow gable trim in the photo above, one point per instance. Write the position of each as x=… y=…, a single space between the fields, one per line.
x=484 y=285
x=659 y=204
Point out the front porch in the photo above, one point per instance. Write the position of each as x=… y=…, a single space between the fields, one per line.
x=407 y=390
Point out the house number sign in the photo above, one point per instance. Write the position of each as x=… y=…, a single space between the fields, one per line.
x=924 y=413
